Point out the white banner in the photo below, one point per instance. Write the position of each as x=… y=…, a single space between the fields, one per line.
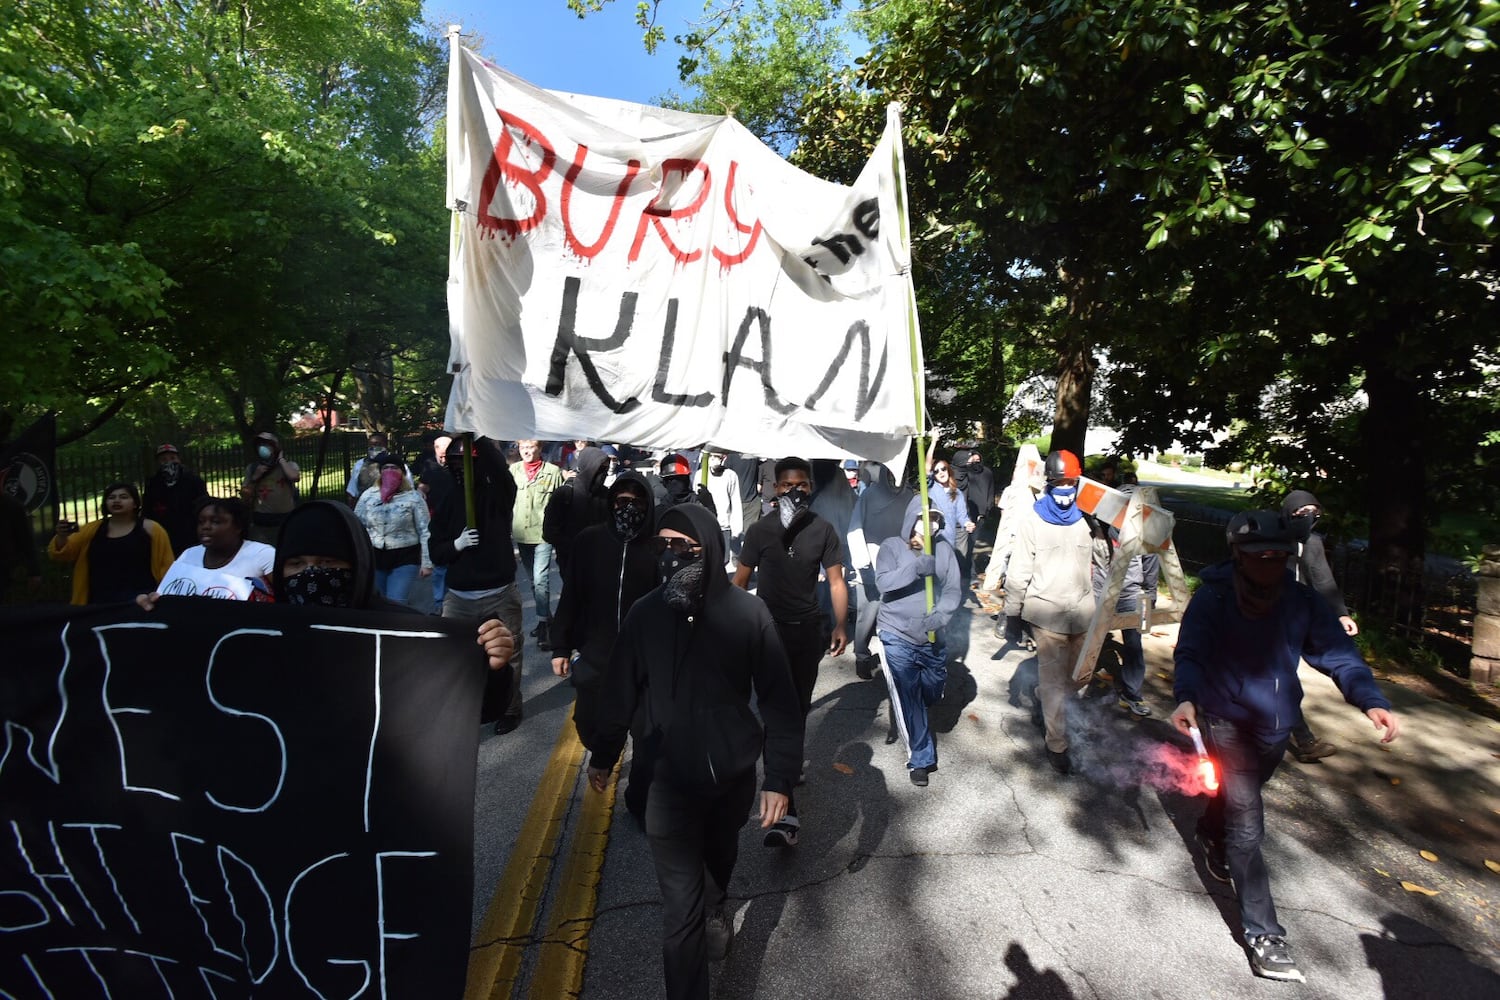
x=630 y=274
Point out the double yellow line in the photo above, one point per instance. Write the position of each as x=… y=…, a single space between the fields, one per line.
x=511 y=922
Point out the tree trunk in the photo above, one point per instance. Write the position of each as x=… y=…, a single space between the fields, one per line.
x=1394 y=435
x=331 y=400
x=1075 y=362
x=1075 y=379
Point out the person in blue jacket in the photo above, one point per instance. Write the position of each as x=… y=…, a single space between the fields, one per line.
x=1241 y=636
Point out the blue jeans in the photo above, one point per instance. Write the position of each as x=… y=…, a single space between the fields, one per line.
x=915 y=674
x=1132 y=665
x=395 y=584
x=439 y=588
x=1236 y=817
x=536 y=563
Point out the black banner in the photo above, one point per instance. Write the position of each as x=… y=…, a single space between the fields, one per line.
x=221 y=799
x=28 y=466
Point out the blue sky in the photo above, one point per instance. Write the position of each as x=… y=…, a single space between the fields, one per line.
x=548 y=45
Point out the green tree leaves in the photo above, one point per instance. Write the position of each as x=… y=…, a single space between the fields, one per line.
x=242 y=193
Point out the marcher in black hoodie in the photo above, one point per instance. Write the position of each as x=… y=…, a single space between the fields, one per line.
x=689 y=653
x=613 y=565
x=1310 y=566
x=576 y=504
x=481 y=582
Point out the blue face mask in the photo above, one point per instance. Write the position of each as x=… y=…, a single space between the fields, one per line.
x=1064 y=496
x=264 y=451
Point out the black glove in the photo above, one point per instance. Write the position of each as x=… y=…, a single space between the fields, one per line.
x=926 y=565
x=1013 y=633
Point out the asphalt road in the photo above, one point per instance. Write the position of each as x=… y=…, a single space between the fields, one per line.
x=1003 y=879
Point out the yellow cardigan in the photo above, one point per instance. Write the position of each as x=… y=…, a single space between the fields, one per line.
x=76 y=550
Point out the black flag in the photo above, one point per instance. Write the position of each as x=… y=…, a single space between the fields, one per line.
x=28 y=467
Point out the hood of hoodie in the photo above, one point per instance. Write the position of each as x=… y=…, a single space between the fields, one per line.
x=1296 y=500
x=909 y=519
x=631 y=476
x=705 y=525
x=364 y=552
x=592 y=466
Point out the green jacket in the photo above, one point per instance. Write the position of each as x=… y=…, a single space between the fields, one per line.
x=531 y=501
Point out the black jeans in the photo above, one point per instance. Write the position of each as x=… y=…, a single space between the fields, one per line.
x=1236 y=817
x=805 y=643
x=695 y=840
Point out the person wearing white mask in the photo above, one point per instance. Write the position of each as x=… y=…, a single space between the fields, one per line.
x=1049 y=584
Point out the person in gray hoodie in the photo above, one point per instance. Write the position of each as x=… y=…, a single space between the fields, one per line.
x=877 y=516
x=911 y=635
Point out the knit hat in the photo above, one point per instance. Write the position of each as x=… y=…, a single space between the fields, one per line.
x=678 y=520
x=316 y=530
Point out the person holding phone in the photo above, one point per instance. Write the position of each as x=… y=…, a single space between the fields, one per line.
x=116 y=557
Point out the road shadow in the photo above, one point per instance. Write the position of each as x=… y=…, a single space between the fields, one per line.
x=958 y=692
x=1415 y=960
x=846 y=809
x=956 y=634
x=1033 y=983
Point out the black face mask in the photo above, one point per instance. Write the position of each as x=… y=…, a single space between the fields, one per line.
x=679 y=488
x=455 y=467
x=629 y=518
x=682 y=581
x=324 y=586
x=1303 y=526
x=1258 y=584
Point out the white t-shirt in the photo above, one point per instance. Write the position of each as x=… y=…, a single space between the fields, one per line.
x=187 y=577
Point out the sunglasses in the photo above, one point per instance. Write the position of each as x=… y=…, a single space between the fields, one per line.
x=683 y=548
x=1268 y=555
x=939 y=468
x=629 y=500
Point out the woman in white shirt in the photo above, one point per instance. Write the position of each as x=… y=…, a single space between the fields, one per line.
x=226 y=564
x=396 y=517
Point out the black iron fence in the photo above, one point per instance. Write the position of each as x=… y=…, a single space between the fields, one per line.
x=83 y=472
x=1435 y=607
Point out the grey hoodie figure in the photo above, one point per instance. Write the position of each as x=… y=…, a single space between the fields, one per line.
x=916 y=658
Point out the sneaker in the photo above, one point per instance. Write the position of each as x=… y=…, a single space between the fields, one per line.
x=1060 y=762
x=864 y=666
x=1135 y=706
x=542 y=642
x=784 y=833
x=718 y=933
x=1271 y=958
x=919 y=776
x=1311 y=753
x=1213 y=858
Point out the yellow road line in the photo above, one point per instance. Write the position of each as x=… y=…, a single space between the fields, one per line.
x=496 y=960
x=565 y=945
